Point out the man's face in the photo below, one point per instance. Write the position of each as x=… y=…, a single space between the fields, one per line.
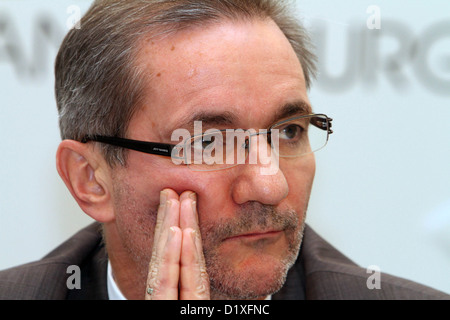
x=230 y=76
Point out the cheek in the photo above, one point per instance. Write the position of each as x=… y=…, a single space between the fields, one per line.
x=300 y=172
x=152 y=175
x=300 y=177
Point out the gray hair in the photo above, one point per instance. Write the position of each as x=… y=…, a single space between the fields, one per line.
x=98 y=85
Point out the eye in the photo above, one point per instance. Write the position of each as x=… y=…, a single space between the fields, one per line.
x=200 y=144
x=291 y=132
x=209 y=141
x=206 y=143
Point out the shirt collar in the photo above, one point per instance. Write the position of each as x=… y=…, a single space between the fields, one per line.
x=114 y=292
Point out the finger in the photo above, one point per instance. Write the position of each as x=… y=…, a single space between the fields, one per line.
x=165 y=195
x=189 y=219
x=164 y=273
x=194 y=279
x=188 y=215
x=163 y=276
x=188 y=195
x=160 y=215
x=171 y=218
x=188 y=211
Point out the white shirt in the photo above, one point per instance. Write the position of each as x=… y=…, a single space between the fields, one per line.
x=114 y=292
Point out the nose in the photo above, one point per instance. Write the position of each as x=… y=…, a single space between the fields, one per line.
x=262 y=181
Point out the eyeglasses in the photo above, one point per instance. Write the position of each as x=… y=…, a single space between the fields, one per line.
x=223 y=149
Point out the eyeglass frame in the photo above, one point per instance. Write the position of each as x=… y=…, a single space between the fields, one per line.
x=166 y=149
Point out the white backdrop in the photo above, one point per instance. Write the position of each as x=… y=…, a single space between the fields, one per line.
x=382 y=191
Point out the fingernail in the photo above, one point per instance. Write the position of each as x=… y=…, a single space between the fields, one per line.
x=194 y=210
x=163 y=197
x=193 y=196
x=194 y=235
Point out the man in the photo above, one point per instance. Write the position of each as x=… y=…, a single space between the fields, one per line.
x=133 y=75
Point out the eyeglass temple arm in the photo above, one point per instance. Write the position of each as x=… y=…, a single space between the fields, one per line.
x=321 y=123
x=161 y=149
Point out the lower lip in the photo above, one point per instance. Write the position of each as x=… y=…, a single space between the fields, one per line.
x=257 y=236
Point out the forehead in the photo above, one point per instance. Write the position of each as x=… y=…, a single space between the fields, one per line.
x=238 y=72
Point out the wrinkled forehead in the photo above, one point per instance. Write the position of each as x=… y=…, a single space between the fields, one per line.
x=232 y=75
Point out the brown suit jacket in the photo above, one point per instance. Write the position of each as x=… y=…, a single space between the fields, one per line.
x=321 y=272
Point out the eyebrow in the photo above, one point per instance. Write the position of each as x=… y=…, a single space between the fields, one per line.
x=212 y=119
x=220 y=119
x=293 y=109
x=208 y=119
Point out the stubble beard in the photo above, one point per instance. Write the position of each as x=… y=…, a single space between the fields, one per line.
x=135 y=225
x=226 y=282
x=136 y=230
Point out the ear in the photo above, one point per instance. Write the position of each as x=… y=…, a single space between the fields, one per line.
x=87 y=176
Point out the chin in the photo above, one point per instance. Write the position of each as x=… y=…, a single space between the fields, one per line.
x=253 y=278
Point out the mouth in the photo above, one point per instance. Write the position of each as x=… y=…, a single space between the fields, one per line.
x=257 y=235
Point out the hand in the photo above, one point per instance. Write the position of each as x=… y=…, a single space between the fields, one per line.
x=177 y=268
